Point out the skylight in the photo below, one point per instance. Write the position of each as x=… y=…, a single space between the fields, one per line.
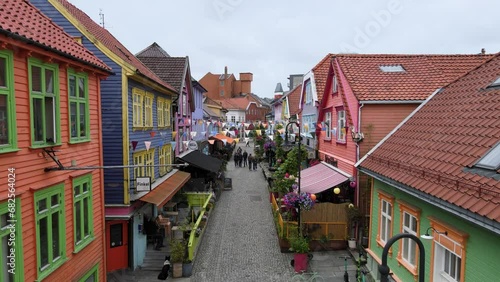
x=495 y=83
x=392 y=68
x=491 y=160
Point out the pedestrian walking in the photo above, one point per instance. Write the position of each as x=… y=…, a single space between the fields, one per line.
x=235 y=157
x=250 y=161
x=245 y=156
x=247 y=142
x=255 y=163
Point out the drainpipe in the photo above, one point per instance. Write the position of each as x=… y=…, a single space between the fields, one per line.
x=357 y=155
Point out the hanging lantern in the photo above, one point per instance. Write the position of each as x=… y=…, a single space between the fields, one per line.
x=352 y=184
x=336 y=191
x=287 y=175
x=292 y=177
x=313 y=197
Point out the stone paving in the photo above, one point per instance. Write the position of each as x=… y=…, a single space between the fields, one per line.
x=240 y=242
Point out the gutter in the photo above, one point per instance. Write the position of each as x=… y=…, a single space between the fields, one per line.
x=374 y=102
x=474 y=218
x=58 y=52
x=397 y=127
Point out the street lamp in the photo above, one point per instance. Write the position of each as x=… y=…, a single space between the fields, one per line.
x=299 y=159
x=384 y=268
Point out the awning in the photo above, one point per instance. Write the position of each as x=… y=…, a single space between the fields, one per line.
x=320 y=177
x=166 y=190
x=222 y=137
x=200 y=160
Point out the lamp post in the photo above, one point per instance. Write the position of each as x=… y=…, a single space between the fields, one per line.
x=299 y=159
x=384 y=268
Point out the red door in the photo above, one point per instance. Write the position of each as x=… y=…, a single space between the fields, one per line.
x=117 y=244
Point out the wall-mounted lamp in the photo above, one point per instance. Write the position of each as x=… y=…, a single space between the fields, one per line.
x=430 y=237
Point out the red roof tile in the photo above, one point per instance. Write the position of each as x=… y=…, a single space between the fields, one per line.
x=320 y=75
x=20 y=18
x=436 y=149
x=422 y=75
x=108 y=40
x=294 y=99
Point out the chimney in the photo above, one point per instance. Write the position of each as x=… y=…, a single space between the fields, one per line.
x=483 y=51
x=225 y=72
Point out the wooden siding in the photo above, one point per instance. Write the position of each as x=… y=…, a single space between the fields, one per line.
x=378 y=120
x=141 y=135
x=111 y=105
x=31 y=177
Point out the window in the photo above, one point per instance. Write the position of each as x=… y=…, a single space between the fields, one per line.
x=8 y=135
x=410 y=218
x=138 y=102
x=10 y=238
x=385 y=218
x=78 y=106
x=92 y=275
x=328 y=122
x=148 y=109
x=165 y=157
x=308 y=92
x=50 y=229
x=233 y=119
x=184 y=104
x=491 y=160
x=82 y=211
x=160 y=107
x=166 y=112
x=448 y=258
x=335 y=85
x=495 y=83
x=44 y=88
x=392 y=68
x=341 y=130
x=222 y=92
x=144 y=158
x=222 y=83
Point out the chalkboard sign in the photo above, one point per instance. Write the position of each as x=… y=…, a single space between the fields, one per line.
x=228 y=183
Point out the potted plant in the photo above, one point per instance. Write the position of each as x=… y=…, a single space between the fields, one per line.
x=177 y=254
x=300 y=246
x=187 y=267
x=353 y=217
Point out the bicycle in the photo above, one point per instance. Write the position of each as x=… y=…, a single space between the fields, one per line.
x=362 y=260
x=308 y=277
x=346 y=274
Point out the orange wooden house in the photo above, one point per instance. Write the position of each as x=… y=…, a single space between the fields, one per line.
x=366 y=96
x=52 y=219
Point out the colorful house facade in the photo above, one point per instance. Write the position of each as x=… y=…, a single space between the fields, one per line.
x=137 y=109
x=52 y=215
x=366 y=96
x=438 y=173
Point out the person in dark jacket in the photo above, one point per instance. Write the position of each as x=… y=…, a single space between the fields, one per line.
x=245 y=156
x=250 y=161
x=255 y=160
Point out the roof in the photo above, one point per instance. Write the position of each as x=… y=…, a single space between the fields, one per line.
x=320 y=72
x=167 y=189
x=209 y=113
x=110 y=42
x=170 y=69
x=318 y=178
x=200 y=160
x=294 y=99
x=278 y=89
x=41 y=31
x=235 y=103
x=435 y=150
x=222 y=137
x=422 y=75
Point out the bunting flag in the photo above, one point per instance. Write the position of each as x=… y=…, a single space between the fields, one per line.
x=211 y=142
x=281 y=130
x=152 y=133
x=200 y=122
x=258 y=132
x=224 y=124
x=185 y=143
x=264 y=124
x=208 y=123
x=173 y=145
x=247 y=132
x=237 y=140
x=161 y=133
x=173 y=134
x=224 y=131
x=184 y=134
x=224 y=141
x=247 y=139
x=147 y=144
x=271 y=137
x=161 y=143
x=134 y=144
x=306 y=126
x=246 y=125
x=193 y=134
x=203 y=133
x=232 y=133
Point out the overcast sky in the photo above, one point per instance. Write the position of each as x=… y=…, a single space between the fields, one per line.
x=275 y=38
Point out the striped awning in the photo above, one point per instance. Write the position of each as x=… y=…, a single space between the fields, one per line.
x=166 y=190
x=320 y=177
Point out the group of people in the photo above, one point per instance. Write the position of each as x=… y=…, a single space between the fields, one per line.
x=242 y=159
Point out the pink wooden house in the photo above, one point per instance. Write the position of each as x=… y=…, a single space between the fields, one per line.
x=366 y=97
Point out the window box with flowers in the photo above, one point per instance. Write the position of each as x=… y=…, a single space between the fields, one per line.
x=296 y=200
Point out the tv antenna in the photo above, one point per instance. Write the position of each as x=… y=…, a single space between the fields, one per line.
x=101 y=16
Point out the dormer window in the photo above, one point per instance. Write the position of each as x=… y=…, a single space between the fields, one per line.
x=491 y=160
x=495 y=83
x=392 y=68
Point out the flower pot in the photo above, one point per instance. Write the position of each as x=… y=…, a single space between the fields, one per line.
x=300 y=262
x=177 y=269
x=187 y=269
x=352 y=243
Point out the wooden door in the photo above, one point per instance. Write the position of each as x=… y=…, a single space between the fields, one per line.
x=117 y=244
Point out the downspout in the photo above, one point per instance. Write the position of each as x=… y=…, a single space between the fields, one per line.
x=357 y=155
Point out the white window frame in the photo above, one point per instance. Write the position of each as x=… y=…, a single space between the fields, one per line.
x=409 y=247
x=447 y=264
x=341 y=124
x=328 y=125
x=335 y=86
x=385 y=220
x=308 y=92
